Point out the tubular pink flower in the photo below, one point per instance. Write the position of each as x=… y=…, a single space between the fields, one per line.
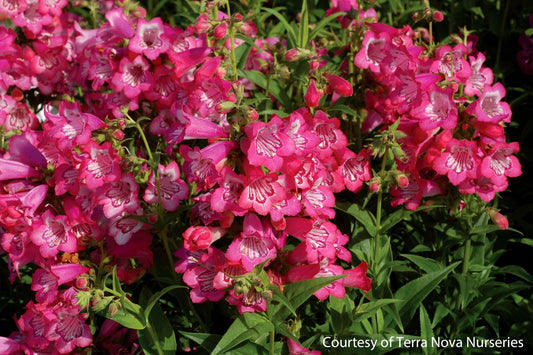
x=459 y=161
x=149 y=39
x=133 y=77
x=172 y=189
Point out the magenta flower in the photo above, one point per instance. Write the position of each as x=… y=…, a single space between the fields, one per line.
x=488 y=107
x=261 y=192
x=101 y=166
x=226 y=196
x=149 y=39
x=254 y=245
x=119 y=196
x=201 y=278
x=199 y=237
x=313 y=95
x=500 y=162
x=268 y=144
x=481 y=76
x=459 y=161
x=72 y=125
x=436 y=109
x=249 y=300
x=133 y=77
x=450 y=62
x=170 y=189
x=52 y=234
x=355 y=169
x=69 y=330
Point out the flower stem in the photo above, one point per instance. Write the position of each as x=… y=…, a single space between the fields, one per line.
x=143 y=137
x=232 y=40
x=155 y=339
x=466 y=257
x=272 y=342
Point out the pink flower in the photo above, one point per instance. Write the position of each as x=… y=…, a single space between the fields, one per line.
x=149 y=38
x=254 y=245
x=296 y=348
x=52 y=234
x=261 y=192
x=133 y=77
x=119 y=196
x=69 y=330
x=498 y=219
x=200 y=278
x=199 y=237
x=357 y=278
x=459 y=161
x=436 y=109
x=500 y=162
x=100 y=166
x=268 y=144
x=355 y=169
x=488 y=107
x=170 y=189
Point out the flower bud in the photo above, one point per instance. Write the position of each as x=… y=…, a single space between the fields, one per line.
x=114 y=307
x=438 y=16
x=374 y=185
x=252 y=114
x=498 y=219
x=224 y=106
x=221 y=30
x=295 y=54
x=339 y=85
x=313 y=95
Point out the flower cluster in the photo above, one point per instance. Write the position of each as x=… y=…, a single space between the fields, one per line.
x=111 y=130
x=450 y=111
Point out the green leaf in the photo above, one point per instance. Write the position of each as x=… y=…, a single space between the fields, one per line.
x=343 y=108
x=417 y=290
x=291 y=35
x=280 y=297
x=248 y=326
x=516 y=271
x=130 y=315
x=156 y=296
x=274 y=87
x=425 y=264
x=297 y=293
x=322 y=23
x=366 y=218
x=241 y=54
x=158 y=337
x=303 y=31
x=205 y=340
x=426 y=330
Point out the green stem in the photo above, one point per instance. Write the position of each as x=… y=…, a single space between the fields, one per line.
x=378 y=216
x=143 y=136
x=500 y=39
x=232 y=40
x=272 y=342
x=466 y=257
x=155 y=338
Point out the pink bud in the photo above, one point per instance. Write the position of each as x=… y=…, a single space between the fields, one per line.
x=374 y=185
x=489 y=129
x=498 y=219
x=339 y=85
x=202 y=24
x=118 y=134
x=438 y=16
x=221 y=30
x=402 y=180
x=312 y=96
